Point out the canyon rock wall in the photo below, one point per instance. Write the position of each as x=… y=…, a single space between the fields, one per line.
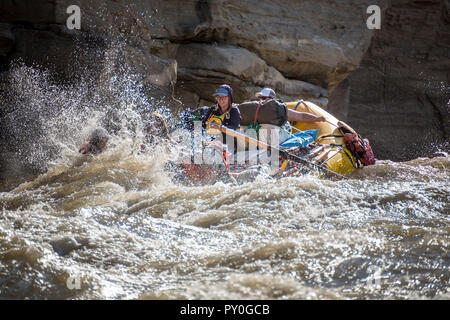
x=400 y=94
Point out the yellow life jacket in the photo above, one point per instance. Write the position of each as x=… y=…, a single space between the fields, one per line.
x=218 y=119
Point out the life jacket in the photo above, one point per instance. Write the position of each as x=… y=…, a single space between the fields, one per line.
x=359 y=147
x=213 y=117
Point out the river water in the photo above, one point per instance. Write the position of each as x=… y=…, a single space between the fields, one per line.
x=116 y=226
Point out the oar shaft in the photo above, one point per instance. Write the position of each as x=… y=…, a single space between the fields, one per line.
x=261 y=144
x=242 y=136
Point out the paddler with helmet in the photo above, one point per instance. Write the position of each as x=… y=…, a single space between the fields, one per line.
x=96 y=142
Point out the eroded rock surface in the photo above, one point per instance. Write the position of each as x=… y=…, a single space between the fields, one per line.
x=400 y=95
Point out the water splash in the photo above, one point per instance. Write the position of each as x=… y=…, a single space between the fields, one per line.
x=44 y=119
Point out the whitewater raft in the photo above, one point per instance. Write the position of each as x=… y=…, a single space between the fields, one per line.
x=330 y=149
x=327 y=152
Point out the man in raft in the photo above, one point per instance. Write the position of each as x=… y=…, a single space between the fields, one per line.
x=96 y=142
x=155 y=127
x=266 y=94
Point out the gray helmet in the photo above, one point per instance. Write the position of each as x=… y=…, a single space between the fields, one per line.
x=100 y=133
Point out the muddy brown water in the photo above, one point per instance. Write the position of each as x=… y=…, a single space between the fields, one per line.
x=117 y=227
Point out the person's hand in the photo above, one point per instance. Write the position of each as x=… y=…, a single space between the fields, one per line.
x=84 y=148
x=214 y=125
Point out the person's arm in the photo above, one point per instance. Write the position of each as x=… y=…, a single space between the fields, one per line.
x=89 y=148
x=200 y=114
x=303 y=116
x=235 y=119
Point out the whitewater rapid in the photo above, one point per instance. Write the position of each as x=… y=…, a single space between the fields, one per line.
x=117 y=227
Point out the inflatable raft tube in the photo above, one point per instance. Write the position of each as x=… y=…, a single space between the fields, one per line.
x=331 y=151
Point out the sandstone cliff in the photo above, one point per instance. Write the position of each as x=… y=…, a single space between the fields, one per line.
x=400 y=94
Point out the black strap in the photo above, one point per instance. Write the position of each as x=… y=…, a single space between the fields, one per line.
x=330 y=136
x=351 y=160
x=344 y=130
x=346 y=153
x=295 y=109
